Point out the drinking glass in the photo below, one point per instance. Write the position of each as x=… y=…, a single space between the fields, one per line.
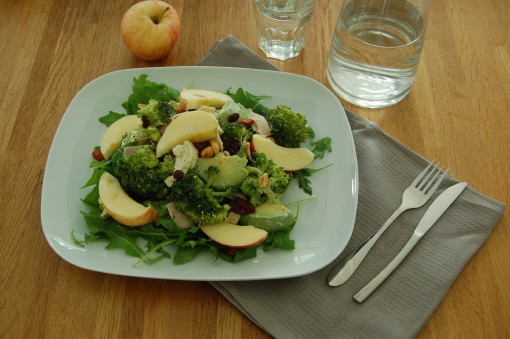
x=282 y=26
x=375 y=50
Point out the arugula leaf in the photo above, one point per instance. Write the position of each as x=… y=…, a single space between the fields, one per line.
x=94 y=222
x=148 y=257
x=110 y=118
x=87 y=238
x=321 y=146
x=245 y=254
x=100 y=164
x=280 y=240
x=310 y=132
x=167 y=223
x=187 y=254
x=119 y=237
x=144 y=90
x=248 y=100
x=302 y=177
x=303 y=181
x=94 y=179
x=92 y=198
x=151 y=233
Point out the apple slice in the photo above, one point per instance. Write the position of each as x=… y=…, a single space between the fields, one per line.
x=194 y=126
x=291 y=159
x=121 y=206
x=195 y=98
x=112 y=138
x=234 y=236
x=180 y=219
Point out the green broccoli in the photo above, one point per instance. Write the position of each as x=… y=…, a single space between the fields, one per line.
x=212 y=172
x=141 y=136
x=254 y=187
x=287 y=127
x=142 y=175
x=234 y=137
x=157 y=113
x=230 y=193
x=191 y=196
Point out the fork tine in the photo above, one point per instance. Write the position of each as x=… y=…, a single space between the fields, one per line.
x=418 y=178
x=436 y=185
x=424 y=181
x=439 y=170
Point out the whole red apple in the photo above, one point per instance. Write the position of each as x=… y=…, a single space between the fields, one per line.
x=150 y=29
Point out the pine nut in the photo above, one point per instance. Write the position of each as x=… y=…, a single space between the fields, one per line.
x=247 y=149
x=264 y=180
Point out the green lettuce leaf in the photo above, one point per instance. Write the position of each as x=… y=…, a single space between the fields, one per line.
x=144 y=90
x=249 y=100
x=110 y=118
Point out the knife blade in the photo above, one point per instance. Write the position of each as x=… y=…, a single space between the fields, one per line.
x=433 y=213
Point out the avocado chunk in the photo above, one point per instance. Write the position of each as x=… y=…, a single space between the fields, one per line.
x=270 y=217
x=232 y=170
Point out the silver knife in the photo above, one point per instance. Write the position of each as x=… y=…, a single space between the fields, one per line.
x=438 y=207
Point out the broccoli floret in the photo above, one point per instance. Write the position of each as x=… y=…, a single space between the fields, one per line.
x=257 y=189
x=230 y=193
x=153 y=133
x=191 y=196
x=287 y=127
x=212 y=172
x=234 y=137
x=142 y=175
x=141 y=136
x=157 y=113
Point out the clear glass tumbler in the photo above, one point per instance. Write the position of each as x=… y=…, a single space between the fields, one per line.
x=282 y=26
x=376 y=49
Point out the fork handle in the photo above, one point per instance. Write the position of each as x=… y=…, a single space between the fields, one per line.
x=385 y=273
x=349 y=264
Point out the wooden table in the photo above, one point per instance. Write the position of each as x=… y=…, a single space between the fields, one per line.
x=458 y=113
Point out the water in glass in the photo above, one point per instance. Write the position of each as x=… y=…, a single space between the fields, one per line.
x=375 y=51
x=282 y=26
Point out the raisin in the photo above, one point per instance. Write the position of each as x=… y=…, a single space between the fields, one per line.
x=232 y=146
x=233 y=117
x=178 y=174
x=241 y=206
x=145 y=122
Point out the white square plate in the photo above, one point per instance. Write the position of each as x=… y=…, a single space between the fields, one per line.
x=324 y=225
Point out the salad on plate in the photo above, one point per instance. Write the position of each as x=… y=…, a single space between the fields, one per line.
x=197 y=170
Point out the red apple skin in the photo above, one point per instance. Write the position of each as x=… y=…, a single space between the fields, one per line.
x=148 y=33
x=229 y=230
x=258 y=242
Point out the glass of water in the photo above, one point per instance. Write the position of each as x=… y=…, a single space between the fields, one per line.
x=282 y=26
x=376 y=49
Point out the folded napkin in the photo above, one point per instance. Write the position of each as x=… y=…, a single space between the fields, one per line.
x=306 y=307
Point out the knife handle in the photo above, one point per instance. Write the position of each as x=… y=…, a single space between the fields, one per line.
x=349 y=264
x=385 y=273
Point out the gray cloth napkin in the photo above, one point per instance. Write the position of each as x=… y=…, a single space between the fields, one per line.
x=306 y=307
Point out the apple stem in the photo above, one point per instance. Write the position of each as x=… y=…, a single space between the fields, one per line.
x=158 y=19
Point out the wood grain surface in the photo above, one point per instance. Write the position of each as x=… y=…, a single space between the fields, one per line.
x=458 y=113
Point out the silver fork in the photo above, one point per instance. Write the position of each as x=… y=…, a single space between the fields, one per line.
x=416 y=195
